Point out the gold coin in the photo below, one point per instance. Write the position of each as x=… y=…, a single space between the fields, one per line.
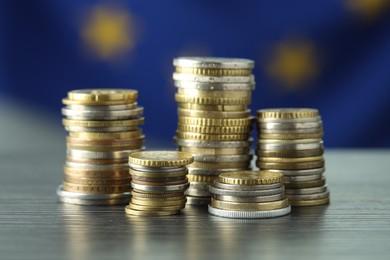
x=248 y=121
x=105 y=148
x=161 y=158
x=103 y=124
x=207 y=137
x=95 y=189
x=250 y=178
x=215 y=151
x=290 y=153
x=156 y=208
x=215 y=129
x=106 y=135
x=213 y=114
x=290 y=166
x=134 y=212
x=249 y=206
x=153 y=174
x=214 y=93
x=213 y=107
x=97 y=182
x=158 y=179
x=305 y=184
x=113 y=142
x=201 y=178
x=292 y=136
x=304 y=203
x=82 y=173
x=156 y=196
x=211 y=100
x=99 y=95
x=67 y=101
x=287 y=113
x=214 y=72
x=216 y=166
x=159 y=203
x=290 y=160
x=95 y=161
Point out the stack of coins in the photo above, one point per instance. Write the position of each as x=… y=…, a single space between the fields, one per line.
x=249 y=194
x=290 y=141
x=214 y=120
x=159 y=182
x=103 y=126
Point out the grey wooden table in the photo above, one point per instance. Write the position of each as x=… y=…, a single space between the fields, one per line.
x=34 y=225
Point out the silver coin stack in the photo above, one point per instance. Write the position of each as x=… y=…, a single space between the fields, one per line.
x=214 y=121
x=290 y=141
x=159 y=181
x=103 y=126
x=249 y=194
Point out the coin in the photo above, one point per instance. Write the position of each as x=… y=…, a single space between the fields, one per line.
x=249 y=199
x=247 y=121
x=97 y=182
x=123 y=154
x=214 y=151
x=249 y=206
x=103 y=108
x=214 y=72
x=214 y=86
x=214 y=129
x=201 y=178
x=213 y=63
x=159 y=183
x=239 y=187
x=82 y=173
x=180 y=98
x=246 y=193
x=290 y=166
x=290 y=160
x=290 y=153
x=292 y=136
x=314 y=196
x=213 y=172
x=201 y=78
x=209 y=137
x=249 y=214
x=95 y=189
x=198 y=201
x=215 y=93
x=158 y=203
x=221 y=165
x=212 y=107
x=303 y=191
x=161 y=158
x=134 y=212
x=101 y=95
x=212 y=144
x=278 y=126
x=162 y=175
x=310 y=202
x=163 y=195
x=179 y=187
x=305 y=184
x=106 y=136
x=102 y=115
x=302 y=178
x=287 y=113
x=222 y=158
x=213 y=114
x=97 y=123
x=250 y=178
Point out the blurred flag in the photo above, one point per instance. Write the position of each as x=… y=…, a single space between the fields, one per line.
x=332 y=55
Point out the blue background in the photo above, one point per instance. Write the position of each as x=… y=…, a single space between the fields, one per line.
x=339 y=51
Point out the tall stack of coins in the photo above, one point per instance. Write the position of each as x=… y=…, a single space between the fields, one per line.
x=214 y=123
x=103 y=126
x=249 y=194
x=290 y=141
x=159 y=181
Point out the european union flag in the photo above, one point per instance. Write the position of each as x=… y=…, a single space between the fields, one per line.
x=331 y=55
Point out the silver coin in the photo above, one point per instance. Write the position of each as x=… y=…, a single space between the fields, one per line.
x=198 y=201
x=102 y=115
x=314 y=171
x=199 y=185
x=249 y=214
x=214 y=86
x=197 y=193
x=142 y=168
x=92 y=199
x=179 y=187
x=97 y=167
x=213 y=144
x=302 y=178
x=100 y=129
x=246 y=187
x=213 y=63
x=267 y=198
x=289 y=126
x=221 y=158
x=99 y=155
x=103 y=108
x=314 y=196
x=290 y=120
x=226 y=79
x=286 y=146
x=306 y=191
x=292 y=131
x=246 y=193
x=213 y=172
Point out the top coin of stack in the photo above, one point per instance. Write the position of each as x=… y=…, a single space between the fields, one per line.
x=290 y=141
x=214 y=123
x=103 y=126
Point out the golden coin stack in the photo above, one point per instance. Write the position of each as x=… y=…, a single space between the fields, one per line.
x=290 y=141
x=249 y=194
x=103 y=126
x=214 y=123
x=159 y=180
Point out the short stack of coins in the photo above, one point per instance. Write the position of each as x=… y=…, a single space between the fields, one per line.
x=159 y=180
x=249 y=194
x=290 y=141
x=214 y=121
x=104 y=129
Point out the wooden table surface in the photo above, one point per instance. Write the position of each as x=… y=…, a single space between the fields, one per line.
x=34 y=225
